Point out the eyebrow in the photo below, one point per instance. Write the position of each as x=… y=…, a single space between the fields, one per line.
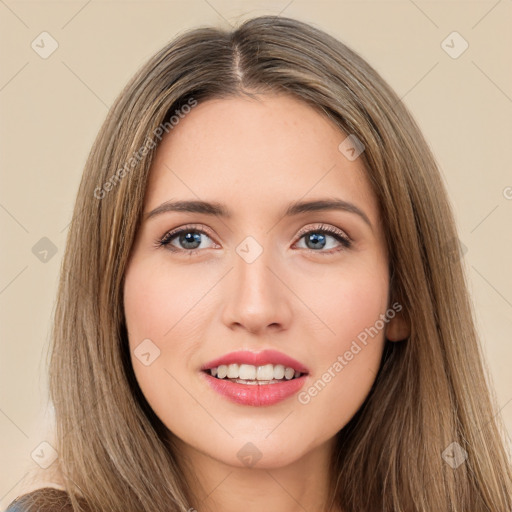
x=295 y=208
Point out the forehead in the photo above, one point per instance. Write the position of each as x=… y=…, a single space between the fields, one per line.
x=256 y=153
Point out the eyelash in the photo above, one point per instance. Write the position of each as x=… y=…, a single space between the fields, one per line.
x=338 y=235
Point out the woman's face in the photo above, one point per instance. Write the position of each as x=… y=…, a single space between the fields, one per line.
x=256 y=279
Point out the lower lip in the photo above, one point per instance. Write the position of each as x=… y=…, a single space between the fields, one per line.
x=255 y=394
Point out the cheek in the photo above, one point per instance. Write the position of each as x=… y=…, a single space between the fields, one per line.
x=156 y=302
x=345 y=304
x=159 y=312
x=167 y=311
x=153 y=306
x=348 y=353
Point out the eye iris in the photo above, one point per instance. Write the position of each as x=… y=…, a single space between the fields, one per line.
x=190 y=238
x=318 y=240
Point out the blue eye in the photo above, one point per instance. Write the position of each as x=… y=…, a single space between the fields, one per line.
x=317 y=238
x=189 y=239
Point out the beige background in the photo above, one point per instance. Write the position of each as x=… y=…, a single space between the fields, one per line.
x=51 y=109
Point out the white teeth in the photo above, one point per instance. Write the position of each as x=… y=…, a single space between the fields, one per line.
x=222 y=371
x=232 y=371
x=279 y=371
x=265 y=372
x=248 y=372
x=289 y=373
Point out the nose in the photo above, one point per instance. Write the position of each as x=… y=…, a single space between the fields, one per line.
x=257 y=296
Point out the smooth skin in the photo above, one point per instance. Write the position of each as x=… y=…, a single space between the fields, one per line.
x=310 y=301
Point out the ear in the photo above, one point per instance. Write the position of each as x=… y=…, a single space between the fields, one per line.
x=398 y=328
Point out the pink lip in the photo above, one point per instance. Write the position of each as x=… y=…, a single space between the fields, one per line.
x=255 y=394
x=257 y=359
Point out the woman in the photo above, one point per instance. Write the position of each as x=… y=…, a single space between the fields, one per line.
x=254 y=368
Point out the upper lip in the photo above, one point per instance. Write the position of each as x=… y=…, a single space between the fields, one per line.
x=257 y=359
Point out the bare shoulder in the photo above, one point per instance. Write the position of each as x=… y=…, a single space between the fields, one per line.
x=47 y=499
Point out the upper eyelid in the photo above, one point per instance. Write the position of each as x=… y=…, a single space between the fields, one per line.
x=188 y=227
x=321 y=227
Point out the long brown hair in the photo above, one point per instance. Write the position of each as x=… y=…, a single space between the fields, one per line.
x=431 y=389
